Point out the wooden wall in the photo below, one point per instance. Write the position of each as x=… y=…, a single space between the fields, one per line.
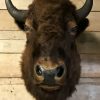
x=12 y=41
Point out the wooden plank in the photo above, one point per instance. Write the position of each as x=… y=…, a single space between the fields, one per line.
x=20 y=35
x=19 y=92
x=88 y=42
x=11 y=81
x=23 y=4
x=20 y=4
x=10 y=65
x=87 y=92
x=12 y=35
x=90 y=65
x=17 y=46
x=20 y=81
x=94 y=18
x=12 y=46
x=79 y=3
x=14 y=92
x=11 y=62
x=7 y=22
x=92 y=81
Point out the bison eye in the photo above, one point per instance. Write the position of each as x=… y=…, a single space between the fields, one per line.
x=38 y=70
x=73 y=30
x=60 y=71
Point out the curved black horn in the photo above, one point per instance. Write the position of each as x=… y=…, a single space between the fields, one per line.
x=85 y=10
x=18 y=15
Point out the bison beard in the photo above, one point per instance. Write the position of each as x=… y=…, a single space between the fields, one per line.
x=51 y=63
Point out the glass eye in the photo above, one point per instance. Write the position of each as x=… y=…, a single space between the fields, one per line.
x=73 y=31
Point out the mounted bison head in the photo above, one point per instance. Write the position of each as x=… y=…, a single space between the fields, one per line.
x=50 y=62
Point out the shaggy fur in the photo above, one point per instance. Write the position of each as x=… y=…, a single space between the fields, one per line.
x=48 y=34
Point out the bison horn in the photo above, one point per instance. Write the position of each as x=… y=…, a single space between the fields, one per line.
x=85 y=10
x=18 y=15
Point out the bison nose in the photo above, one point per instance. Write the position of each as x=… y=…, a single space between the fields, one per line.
x=49 y=76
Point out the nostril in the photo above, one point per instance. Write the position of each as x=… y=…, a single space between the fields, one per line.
x=38 y=70
x=60 y=71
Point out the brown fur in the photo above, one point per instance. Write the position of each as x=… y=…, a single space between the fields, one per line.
x=48 y=31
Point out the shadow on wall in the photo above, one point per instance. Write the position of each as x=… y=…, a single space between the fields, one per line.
x=89 y=42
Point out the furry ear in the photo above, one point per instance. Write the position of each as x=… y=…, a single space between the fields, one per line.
x=82 y=25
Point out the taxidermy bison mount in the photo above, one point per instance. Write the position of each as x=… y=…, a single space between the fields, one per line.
x=51 y=63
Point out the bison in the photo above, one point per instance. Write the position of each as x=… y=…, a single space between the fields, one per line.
x=51 y=63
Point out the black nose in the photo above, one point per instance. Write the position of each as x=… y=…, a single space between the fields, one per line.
x=49 y=74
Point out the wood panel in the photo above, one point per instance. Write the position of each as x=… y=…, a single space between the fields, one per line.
x=90 y=65
x=12 y=46
x=89 y=42
x=94 y=18
x=20 y=4
x=10 y=87
x=11 y=62
x=12 y=35
x=10 y=65
x=7 y=22
x=79 y=3
x=86 y=92
x=14 y=92
x=20 y=81
x=23 y=4
x=14 y=42
x=18 y=92
x=91 y=81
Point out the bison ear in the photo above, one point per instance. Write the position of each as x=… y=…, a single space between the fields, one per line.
x=82 y=25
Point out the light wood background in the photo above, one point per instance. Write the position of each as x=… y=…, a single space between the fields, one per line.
x=12 y=42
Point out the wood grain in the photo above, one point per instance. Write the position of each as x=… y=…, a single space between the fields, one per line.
x=23 y=4
x=90 y=65
x=14 y=92
x=10 y=65
x=18 y=92
x=7 y=22
x=11 y=62
x=79 y=3
x=20 y=81
x=14 y=42
x=86 y=92
x=89 y=42
x=12 y=35
x=20 y=4
x=12 y=46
